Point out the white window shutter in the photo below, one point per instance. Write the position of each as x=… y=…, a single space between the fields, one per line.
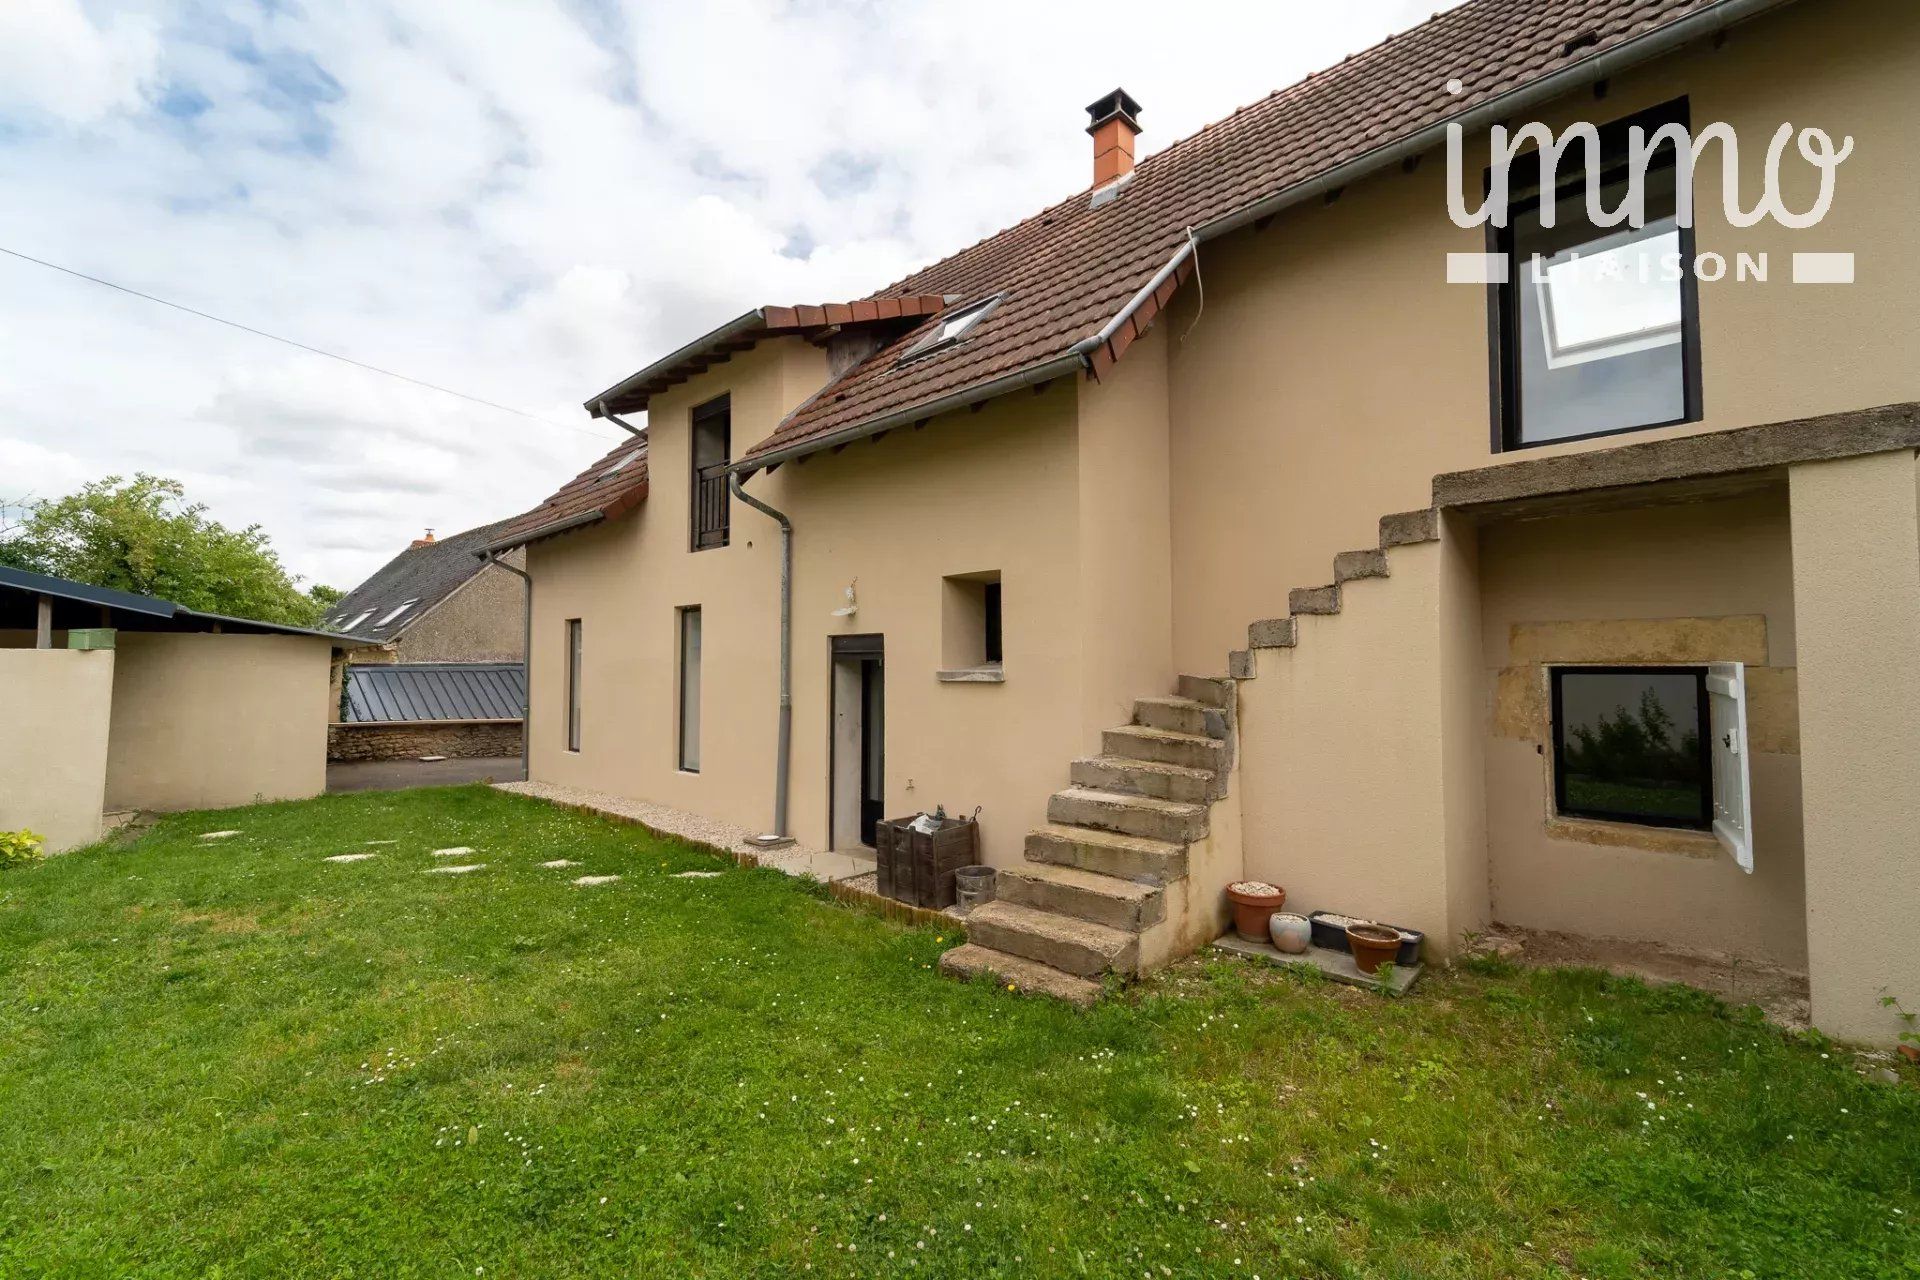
x=1732 y=789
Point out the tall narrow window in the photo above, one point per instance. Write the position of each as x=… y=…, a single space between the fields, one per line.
x=1599 y=326
x=712 y=449
x=573 y=684
x=689 y=698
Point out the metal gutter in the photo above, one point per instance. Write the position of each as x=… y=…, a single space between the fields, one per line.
x=544 y=531
x=1071 y=362
x=733 y=328
x=783 y=753
x=526 y=659
x=1694 y=26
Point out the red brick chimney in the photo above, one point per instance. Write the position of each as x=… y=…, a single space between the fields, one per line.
x=1116 y=123
x=422 y=542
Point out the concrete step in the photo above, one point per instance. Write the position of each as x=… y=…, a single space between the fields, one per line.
x=1211 y=690
x=1079 y=947
x=1129 y=857
x=1176 y=821
x=1404 y=528
x=1024 y=975
x=1314 y=599
x=1142 y=778
x=1181 y=715
x=1138 y=742
x=1272 y=633
x=1348 y=565
x=1126 y=905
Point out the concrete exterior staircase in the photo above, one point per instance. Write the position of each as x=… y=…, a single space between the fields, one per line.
x=1108 y=883
x=1130 y=870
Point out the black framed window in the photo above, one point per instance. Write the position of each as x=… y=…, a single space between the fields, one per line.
x=688 y=695
x=991 y=607
x=711 y=448
x=574 y=654
x=1633 y=744
x=1597 y=329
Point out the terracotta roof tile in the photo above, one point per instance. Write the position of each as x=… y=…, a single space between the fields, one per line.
x=1068 y=270
x=614 y=485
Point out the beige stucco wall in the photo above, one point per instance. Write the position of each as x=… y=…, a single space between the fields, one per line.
x=1561 y=590
x=209 y=721
x=972 y=493
x=54 y=706
x=1360 y=787
x=1856 y=577
x=1333 y=372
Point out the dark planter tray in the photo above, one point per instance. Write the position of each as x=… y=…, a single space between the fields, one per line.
x=1330 y=931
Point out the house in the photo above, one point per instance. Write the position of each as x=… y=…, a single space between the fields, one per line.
x=446 y=675
x=1239 y=516
x=116 y=702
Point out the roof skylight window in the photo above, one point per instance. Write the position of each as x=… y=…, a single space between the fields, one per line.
x=357 y=621
x=396 y=612
x=951 y=328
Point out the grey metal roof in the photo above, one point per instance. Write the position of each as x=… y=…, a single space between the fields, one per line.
x=423 y=576
x=435 y=691
x=76 y=604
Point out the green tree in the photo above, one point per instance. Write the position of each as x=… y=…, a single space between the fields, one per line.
x=142 y=535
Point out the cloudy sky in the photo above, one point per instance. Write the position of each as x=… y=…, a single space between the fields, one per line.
x=524 y=201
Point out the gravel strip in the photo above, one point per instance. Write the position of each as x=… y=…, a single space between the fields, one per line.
x=689 y=826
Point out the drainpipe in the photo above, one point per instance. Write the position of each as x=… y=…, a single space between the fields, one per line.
x=526 y=666
x=778 y=837
x=620 y=422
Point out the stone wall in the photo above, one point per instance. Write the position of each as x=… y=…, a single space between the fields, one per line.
x=409 y=739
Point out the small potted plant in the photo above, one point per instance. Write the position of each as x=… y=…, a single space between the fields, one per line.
x=1372 y=944
x=1254 y=901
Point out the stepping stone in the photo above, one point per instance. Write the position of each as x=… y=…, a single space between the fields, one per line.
x=349 y=857
x=456 y=871
x=217 y=835
x=557 y=863
x=458 y=851
x=587 y=881
x=697 y=875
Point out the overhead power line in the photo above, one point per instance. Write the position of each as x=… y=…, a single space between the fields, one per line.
x=274 y=337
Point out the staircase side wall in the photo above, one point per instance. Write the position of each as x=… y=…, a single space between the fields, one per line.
x=1360 y=754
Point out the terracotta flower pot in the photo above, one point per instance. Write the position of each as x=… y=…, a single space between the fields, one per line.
x=1373 y=945
x=1253 y=902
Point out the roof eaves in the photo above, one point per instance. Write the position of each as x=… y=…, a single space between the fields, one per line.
x=1030 y=376
x=737 y=327
x=542 y=531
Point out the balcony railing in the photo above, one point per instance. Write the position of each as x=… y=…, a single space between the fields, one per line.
x=710 y=507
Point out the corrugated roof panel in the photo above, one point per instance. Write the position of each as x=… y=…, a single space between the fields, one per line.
x=435 y=691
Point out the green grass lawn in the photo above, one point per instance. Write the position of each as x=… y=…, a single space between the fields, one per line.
x=235 y=1059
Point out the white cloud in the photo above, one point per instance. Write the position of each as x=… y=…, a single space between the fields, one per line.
x=53 y=60
x=522 y=201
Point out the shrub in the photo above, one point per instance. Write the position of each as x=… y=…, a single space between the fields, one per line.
x=20 y=849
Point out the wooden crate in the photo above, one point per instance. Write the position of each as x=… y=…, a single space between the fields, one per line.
x=917 y=867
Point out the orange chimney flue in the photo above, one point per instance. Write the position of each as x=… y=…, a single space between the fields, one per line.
x=423 y=542
x=1116 y=123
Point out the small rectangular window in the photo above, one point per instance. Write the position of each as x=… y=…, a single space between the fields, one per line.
x=1631 y=744
x=689 y=689
x=1598 y=327
x=970 y=627
x=573 y=684
x=711 y=449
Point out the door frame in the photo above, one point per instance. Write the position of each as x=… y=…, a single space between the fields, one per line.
x=859 y=649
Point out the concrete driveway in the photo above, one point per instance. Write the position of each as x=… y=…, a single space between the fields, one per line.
x=398 y=775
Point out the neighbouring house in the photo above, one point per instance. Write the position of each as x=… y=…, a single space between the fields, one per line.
x=1206 y=525
x=114 y=703
x=449 y=625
